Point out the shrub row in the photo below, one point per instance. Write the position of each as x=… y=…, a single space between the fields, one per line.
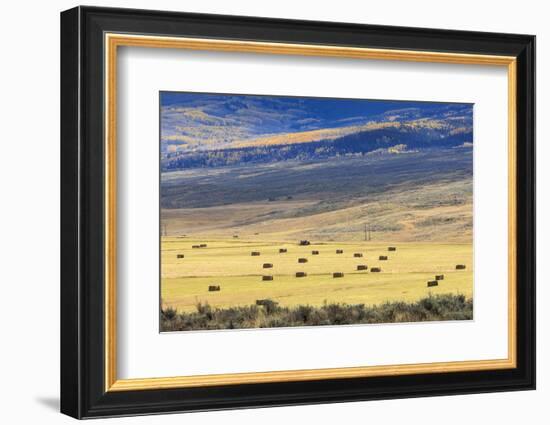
x=269 y=314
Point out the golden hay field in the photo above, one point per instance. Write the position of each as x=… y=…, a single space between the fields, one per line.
x=229 y=264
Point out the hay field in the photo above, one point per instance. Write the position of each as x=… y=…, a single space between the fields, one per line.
x=229 y=264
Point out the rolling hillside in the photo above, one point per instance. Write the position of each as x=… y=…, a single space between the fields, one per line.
x=358 y=143
x=278 y=168
x=420 y=196
x=203 y=131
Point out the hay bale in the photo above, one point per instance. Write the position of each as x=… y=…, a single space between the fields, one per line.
x=267 y=266
x=266 y=277
x=314 y=252
x=195 y=246
x=392 y=248
x=432 y=283
x=375 y=270
x=337 y=274
x=301 y=274
x=383 y=257
x=304 y=243
x=255 y=253
x=339 y=251
x=213 y=288
x=302 y=260
x=460 y=266
x=267 y=303
x=202 y=245
x=235 y=236
x=282 y=250
x=357 y=255
x=180 y=256
x=439 y=277
x=362 y=267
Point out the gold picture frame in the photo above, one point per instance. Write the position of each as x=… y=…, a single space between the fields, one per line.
x=114 y=41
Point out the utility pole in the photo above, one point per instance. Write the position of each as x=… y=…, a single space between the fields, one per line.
x=367 y=231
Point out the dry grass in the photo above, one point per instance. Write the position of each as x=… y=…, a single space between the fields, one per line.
x=228 y=263
x=434 y=212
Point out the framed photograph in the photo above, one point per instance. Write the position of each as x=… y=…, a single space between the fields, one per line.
x=261 y=212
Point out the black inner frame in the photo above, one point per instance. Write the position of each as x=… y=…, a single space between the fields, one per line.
x=82 y=212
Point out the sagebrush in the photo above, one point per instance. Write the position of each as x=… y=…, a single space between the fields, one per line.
x=270 y=314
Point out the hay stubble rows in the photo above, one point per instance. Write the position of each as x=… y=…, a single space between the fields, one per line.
x=241 y=277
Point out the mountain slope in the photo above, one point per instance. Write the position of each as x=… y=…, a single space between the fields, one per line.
x=421 y=196
x=391 y=138
x=193 y=122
